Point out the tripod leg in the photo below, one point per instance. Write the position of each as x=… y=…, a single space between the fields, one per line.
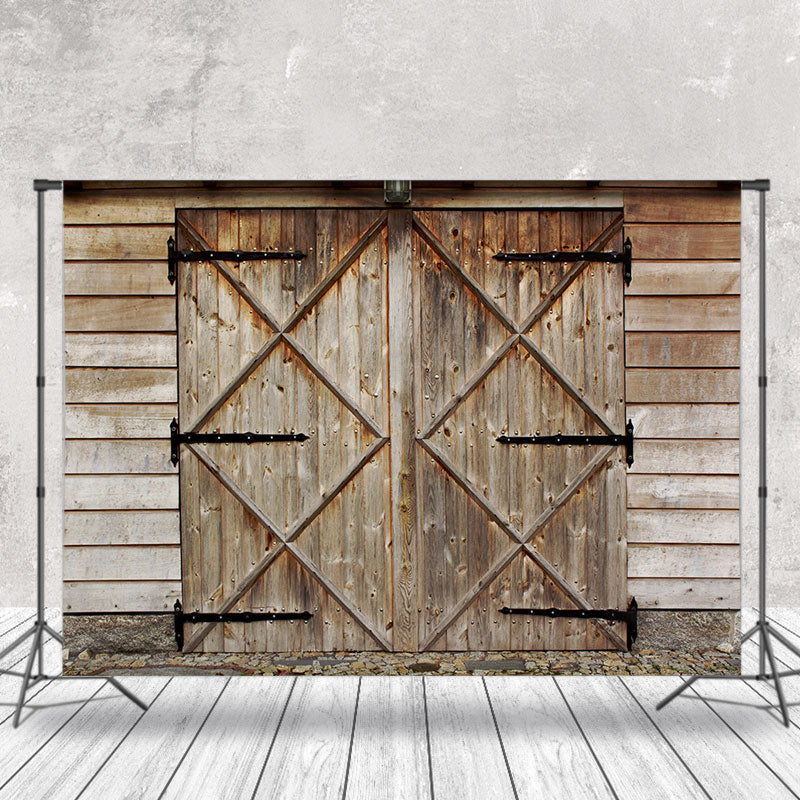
x=129 y=694
x=746 y=636
x=56 y=636
x=16 y=643
x=26 y=678
x=785 y=642
x=776 y=678
x=672 y=695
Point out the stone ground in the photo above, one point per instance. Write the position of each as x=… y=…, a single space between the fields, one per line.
x=638 y=662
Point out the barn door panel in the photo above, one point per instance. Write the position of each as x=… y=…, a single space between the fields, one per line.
x=514 y=348
x=286 y=346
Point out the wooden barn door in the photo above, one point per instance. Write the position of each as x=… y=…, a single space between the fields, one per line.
x=402 y=350
x=286 y=346
x=518 y=348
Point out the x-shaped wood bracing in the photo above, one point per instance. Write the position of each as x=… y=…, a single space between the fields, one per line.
x=521 y=542
x=286 y=542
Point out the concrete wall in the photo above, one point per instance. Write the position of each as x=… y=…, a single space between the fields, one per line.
x=468 y=90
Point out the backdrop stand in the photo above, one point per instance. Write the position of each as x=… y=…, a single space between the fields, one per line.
x=34 y=667
x=762 y=628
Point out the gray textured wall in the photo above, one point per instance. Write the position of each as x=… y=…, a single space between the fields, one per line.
x=472 y=90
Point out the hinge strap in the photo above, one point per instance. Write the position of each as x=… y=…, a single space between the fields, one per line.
x=174 y=256
x=190 y=437
x=609 y=257
x=610 y=614
x=616 y=439
x=195 y=617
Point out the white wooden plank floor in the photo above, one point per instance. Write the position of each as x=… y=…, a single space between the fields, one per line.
x=507 y=738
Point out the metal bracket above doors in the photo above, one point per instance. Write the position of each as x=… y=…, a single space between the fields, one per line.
x=617 y=439
x=194 y=617
x=610 y=614
x=190 y=437
x=611 y=257
x=174 y=256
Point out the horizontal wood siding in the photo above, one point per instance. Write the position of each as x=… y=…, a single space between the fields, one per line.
x=120 y=596
x=682 y=388
x=122 y=563
x=122 y=533
x=120 y=350
x=682 y=349
x=682 y=356
x=121 y=527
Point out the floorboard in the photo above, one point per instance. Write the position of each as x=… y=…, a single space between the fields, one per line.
x=63 y=764
x=11 y=618
x=16 y=660
x=310 y=755
x=467 y=757
x=389 y=757
x=503 y=738
x=547 y=753
x=718 y=758
x=44 y=715
x=229 y=753
x=637 y=759
x=146 y=758
x=789 y=618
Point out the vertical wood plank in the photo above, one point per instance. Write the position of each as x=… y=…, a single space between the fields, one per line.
x=144 y=762
x=227 y=756
x=467 y=759
x=389 y=756
x=309 y=756
x=402 y=430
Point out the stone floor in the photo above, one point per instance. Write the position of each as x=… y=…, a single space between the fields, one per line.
x=638 y=662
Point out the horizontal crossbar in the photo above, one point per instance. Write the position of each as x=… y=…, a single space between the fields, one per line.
x=247 y=437
x=194 y=617
x=174 y=256
x=609 y=257
x=615 y=439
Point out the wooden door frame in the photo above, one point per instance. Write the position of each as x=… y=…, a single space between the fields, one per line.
x=282 y=333
x=406 y=428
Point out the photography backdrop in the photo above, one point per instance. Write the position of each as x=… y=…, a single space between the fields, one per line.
x=348 y=91
x=401 y=345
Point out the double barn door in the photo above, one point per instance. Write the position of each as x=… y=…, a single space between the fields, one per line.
x=388 y=351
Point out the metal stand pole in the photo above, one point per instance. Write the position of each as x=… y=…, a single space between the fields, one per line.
x=40 y=627
x=762 y=628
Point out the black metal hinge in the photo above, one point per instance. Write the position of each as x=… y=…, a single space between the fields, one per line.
x=190 y=437
x=630 y=616
x=174 y=256
x=194 y=617
x=617 y=439
x=611 y=257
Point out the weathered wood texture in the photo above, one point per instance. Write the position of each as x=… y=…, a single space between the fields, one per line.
x=682 y=384
x=299 y=526
x=681 y=312
x=491 y=361
x=155 y=205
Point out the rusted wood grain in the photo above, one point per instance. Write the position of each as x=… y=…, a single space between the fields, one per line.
x=684 y=277
x=684 y=241
x=646 y=385
x=682 y=349
x=667 y=313
x=682 y=205
x=122 y=314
